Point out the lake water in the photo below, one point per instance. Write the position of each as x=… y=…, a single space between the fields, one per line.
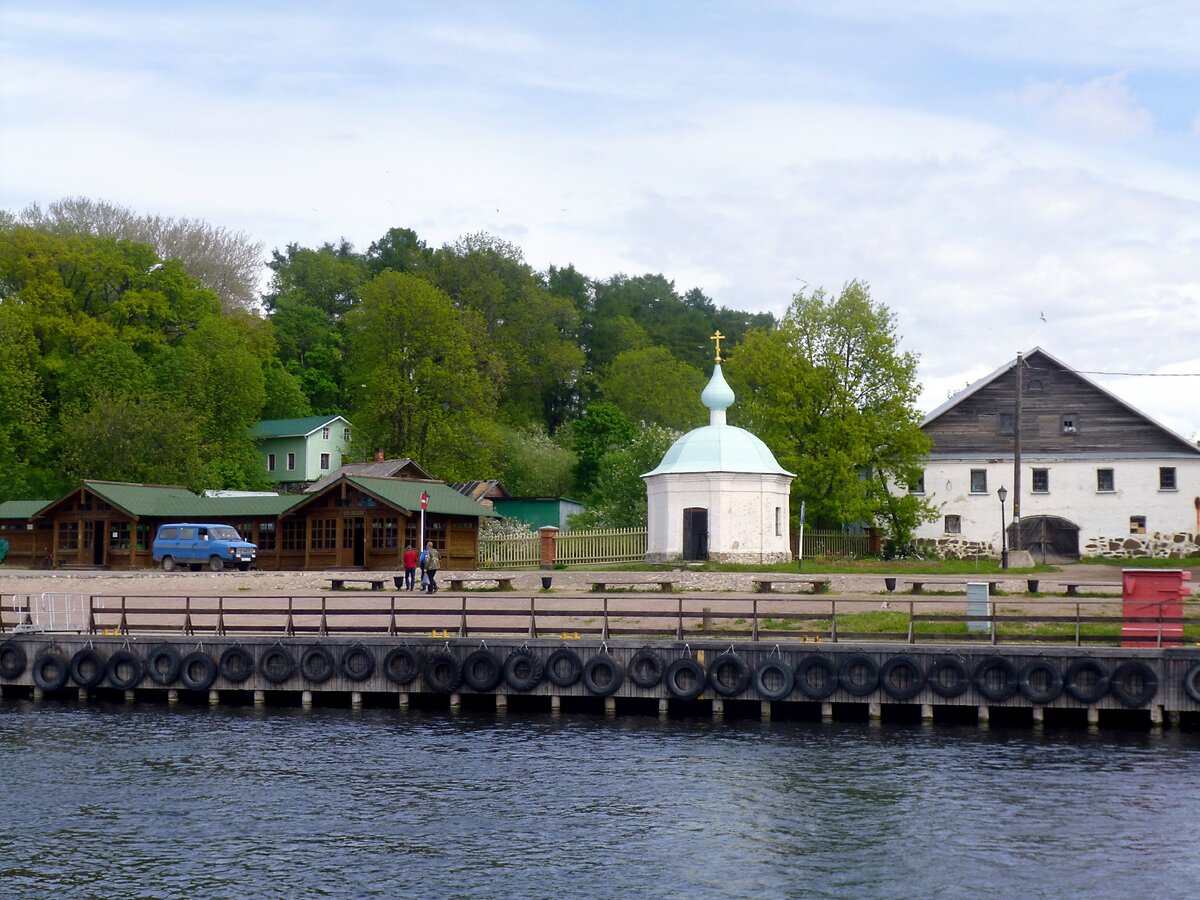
x=140 y=800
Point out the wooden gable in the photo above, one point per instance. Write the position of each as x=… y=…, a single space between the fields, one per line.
x=1061 y=413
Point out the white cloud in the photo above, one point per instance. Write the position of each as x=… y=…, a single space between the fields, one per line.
x=1101 y=107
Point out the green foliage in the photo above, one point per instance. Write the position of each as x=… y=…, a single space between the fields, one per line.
x=832 y=394
x=651 y=386
x=618 y=499
x=533 y=464
x=602 y=428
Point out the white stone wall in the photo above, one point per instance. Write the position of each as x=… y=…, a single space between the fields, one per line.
x=1102 y=517
x=741 y=515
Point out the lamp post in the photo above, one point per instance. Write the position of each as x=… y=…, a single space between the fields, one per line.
x=1003 y=495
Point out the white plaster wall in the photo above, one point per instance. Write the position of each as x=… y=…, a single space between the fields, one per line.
x=741 y=513
x=1072 y=495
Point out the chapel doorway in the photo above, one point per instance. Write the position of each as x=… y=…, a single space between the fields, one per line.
x=695 y=533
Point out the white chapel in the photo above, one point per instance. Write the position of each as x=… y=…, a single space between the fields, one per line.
x=719 y=492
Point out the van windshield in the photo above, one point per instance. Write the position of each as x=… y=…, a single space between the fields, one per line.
x=224 y=533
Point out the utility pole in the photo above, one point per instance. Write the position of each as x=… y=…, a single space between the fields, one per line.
x=1016 y=536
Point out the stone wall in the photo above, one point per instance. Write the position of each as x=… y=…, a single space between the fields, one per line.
x=958 y=547
x=1155 y=545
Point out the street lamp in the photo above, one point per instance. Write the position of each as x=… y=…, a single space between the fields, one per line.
x=1003 y=495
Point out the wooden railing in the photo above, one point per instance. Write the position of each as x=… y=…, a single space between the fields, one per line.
x=611 y=545
x=678 y=616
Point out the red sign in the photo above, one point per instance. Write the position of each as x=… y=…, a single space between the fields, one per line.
x=424 y=500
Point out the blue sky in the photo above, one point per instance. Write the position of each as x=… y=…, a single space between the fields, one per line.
x=983 y=165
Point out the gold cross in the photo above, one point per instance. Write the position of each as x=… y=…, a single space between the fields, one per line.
x=718 y=337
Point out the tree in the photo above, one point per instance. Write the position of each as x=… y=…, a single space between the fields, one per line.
x=833 y=395
x=426 y=390
x=618 y=499
x=228 y=263
x=533 y=464
x=25 y=437
x=602 y=428
x=652 y=386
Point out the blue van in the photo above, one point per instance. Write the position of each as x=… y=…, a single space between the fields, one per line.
x=195 y=545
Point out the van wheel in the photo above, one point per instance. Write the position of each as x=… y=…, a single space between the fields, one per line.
x=168 y=564
x=215 y=563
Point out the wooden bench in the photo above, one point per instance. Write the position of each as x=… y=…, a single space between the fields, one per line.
x=339 y=584
x=663 y=585
x=917 y=586
x=503 y=583
x=765 y=585
x=1074 y=586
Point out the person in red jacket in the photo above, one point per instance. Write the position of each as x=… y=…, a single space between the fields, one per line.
x=410 y=567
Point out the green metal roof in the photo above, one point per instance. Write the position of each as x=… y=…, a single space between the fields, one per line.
x=21 y=509
x=405 y=494
x=278 y=428
x=165 y=502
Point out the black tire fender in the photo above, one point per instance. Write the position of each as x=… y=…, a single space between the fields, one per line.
x=916 y=677
x=602 y=662
x=162 y=664
x=401 y=666
x=685 y=679
x=645 y=668
x=523 y=670
x=1130 y=669
x=807 y=688
x=949 y=663
x=563 y=667
x=316 y=664
x=12 y=659
x=358 y=663
x=87 y=668
x=50 y=671
x=482 y=671
x=236 y=664
x=277 y=664
x=197 y=671
x=1054 y=687
x=846 y=672
x=996 y=694
x=775 y=666
x=728 y=674
x=1191 y=682
x=127 y=662
x=443 y=672
x=1077 y=668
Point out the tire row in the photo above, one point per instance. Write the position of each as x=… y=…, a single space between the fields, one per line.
x=814 y=677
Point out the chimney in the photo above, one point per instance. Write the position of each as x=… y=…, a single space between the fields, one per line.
x=379 y=455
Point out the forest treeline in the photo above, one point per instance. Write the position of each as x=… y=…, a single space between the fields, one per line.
x=137 y=348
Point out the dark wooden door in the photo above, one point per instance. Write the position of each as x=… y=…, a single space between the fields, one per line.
x=99 y=541
x=695 y=533
x=360 y=542
x=1048 y=538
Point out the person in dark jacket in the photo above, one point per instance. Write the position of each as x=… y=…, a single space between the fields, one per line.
x=432 y=563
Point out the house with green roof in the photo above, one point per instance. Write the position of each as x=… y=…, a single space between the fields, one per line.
x=299 y=451
x=352 y=522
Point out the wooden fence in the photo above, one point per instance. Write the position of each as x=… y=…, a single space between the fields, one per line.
x=612 y=545
x=521 y=552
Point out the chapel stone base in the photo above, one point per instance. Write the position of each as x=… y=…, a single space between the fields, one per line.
x=745 y=559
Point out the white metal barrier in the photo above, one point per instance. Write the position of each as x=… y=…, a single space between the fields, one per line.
x=50 y=611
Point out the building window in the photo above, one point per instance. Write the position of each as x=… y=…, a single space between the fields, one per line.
x=1137 y=524
x=953 y=524
x=325 y=433
x=266 y=536
x=118 y=537
x=778 y=522
x=270 y=462
x=324 y=460
x=291 y=461
x=348 y=528
x=918 y=486
x=1166 y=478
x=1069 y=423
x=436 y=531
x=1105 y=481
x=143 y=535
x=1041 y=481
x=1035 y=385
x=293 y=534
x=346 y=435
x=979 y=481
x=68 y=535
x=385 y=533
x=324 y=534
x=1005 y=423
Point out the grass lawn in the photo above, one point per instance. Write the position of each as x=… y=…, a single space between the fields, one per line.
x=842 y=566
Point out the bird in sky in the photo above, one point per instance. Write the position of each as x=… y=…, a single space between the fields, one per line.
x=1043 y=316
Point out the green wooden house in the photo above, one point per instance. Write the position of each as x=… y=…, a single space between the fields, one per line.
x=300 y=451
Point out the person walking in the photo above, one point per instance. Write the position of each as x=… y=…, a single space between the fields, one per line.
x=410 y=567
x=432 y=563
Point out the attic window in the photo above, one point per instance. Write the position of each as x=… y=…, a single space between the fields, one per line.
x=325 y=433
x=1035 y=385
x=1005 y=423
x=1069 y=423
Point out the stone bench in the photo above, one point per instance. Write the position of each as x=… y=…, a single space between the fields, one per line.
x=1072 y=587
x=502 y=582
x=766 y=585
x=339 y=584
x=664 y=585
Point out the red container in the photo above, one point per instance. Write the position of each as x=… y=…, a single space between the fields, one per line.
x=1153 y=595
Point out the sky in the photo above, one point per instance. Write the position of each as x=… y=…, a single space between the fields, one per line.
x=1003 y=174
